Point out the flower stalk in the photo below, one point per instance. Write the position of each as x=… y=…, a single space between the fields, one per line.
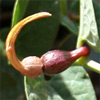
x=93 y=65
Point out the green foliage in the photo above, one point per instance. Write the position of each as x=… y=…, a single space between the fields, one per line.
x=69 y=85
x=97 y=14
x=88 y=27
x=19 y=11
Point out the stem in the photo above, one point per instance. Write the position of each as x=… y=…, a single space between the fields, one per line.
x=84 y=61
x=93 y=65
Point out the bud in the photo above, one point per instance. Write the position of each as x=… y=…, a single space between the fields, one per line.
x=56 y=61
x=32 y=66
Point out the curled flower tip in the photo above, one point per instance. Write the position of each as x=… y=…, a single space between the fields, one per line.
x=10 y=45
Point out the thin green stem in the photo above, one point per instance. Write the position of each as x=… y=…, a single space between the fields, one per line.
x=93 y=66
x=85 y=61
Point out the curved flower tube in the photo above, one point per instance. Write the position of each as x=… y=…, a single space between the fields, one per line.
x=10 y=42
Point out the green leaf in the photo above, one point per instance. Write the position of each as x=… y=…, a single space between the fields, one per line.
x=95 y=55
x=38 y=89
x=69 y=85
x=97 y=14
x=37 y=37
x=19 y=10
x=88 y=27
